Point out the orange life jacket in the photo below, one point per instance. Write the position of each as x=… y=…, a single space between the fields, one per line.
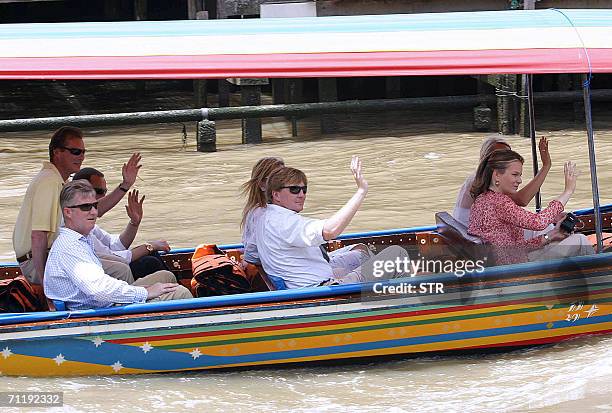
x=214 y=273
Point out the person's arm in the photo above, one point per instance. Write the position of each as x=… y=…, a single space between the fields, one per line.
x=134 y=212
x=513 y=214
x=571 y=174
x=339 y=221
x=524 y=196
x=89 y=277
x=39 y=252
x=129 y=172
x=141 y=250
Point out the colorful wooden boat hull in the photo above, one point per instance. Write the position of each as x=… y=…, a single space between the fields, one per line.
x=506 y=307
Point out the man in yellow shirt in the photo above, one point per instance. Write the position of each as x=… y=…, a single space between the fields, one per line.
x=40 y=215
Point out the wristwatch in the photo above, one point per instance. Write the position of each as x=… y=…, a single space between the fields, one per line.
x=149 y=247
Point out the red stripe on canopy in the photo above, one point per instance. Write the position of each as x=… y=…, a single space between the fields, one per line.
x=310 y=65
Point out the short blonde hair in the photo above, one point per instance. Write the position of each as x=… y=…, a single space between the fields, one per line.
x=71 y=189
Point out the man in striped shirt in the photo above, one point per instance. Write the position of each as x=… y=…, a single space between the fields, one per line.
x=73 y=272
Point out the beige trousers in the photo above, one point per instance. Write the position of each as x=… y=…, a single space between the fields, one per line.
x=574 y=245
x=29 y=271
x=116 y=268
x=164 y=277
x=365 y=273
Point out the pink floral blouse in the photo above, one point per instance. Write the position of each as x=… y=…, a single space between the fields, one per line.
x=498 y=220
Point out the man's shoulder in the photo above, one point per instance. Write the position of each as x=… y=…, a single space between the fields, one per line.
x=66 y=239
x=47 y=175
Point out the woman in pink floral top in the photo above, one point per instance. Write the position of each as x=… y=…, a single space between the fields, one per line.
x=497 y=219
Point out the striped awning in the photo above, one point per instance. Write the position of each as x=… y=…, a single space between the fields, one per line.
x=519 y=41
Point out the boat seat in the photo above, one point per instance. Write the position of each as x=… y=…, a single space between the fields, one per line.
x=273 y=282
x=456 y=236
x=56 y=305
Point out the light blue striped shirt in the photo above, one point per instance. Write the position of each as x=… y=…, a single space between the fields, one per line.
x=74 y=274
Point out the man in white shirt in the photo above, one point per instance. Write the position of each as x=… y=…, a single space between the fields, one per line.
x=73 y=272
x=118 y=260
x=289 y=244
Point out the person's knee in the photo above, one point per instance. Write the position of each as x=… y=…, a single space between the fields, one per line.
x=118 y=270
x=182 y=293
x=165 y=276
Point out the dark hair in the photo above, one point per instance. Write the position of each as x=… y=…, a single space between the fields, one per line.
x=60 y=137
x=72 y=188
x=496 y=161
x=282 y=177
x=87 y=173
x=259 y=178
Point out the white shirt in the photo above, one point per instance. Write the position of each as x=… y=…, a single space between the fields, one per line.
x=109 y=244
x=74 y=274
x=463 y=205
x=288 y=246
x=248 y=235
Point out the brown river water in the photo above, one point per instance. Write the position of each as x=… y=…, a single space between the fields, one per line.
x=415 y=163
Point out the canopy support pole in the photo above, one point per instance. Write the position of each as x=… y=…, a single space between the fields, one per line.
x=528 y=87
x=586 y=87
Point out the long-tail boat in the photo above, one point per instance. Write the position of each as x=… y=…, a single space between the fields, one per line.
x=500 y=307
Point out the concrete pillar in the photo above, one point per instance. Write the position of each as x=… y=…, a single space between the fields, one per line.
x=224 y=93
x=193 y=7
x=328 y=92
x=250 y=90
x=523 y=128
x=140 y=10
x=506 y=111
x=206 y=136
x=278 y=91
x=482 y=113
x=295 y=92
x=200 y=90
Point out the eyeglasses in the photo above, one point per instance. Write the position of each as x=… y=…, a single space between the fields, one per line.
x=101 y=191
x=74 y=151
x=85 y=207
x=295 y=189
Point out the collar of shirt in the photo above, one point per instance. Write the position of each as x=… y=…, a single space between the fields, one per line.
x=73 y=235
x=281 y=209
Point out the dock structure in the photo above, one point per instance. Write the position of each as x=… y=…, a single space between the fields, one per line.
x=507 y=113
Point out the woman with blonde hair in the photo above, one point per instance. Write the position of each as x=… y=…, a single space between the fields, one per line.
x=342 y=260
x=497 y=218
x=522 y=198
x=255 y=191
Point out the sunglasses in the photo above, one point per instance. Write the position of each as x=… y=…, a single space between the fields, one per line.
x=74 y=151
x=85 y=207
x=295 y=189
x=101 y=191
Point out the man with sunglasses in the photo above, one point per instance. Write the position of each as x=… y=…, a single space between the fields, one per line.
x=289 y=244
x=117 y=259
x=74 y=274
x=40 y=215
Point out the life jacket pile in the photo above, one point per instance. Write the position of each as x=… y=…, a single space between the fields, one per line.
x=17 y=295
x=214 y=273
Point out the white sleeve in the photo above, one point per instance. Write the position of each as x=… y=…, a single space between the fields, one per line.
x=91 y=279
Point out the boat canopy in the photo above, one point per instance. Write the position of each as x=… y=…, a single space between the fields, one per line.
x=489 y=42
